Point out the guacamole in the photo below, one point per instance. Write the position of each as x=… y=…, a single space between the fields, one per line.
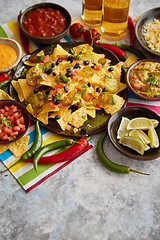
x=145 y=78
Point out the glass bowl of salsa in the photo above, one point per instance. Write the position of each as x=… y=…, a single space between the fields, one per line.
x=143 y=79
x=45 y=23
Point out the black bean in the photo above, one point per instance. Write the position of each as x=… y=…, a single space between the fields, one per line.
x=68 y=74
x=66 y=89
x=58 y=61
x=54 y=74
x=105 y=90
x=48 y=70
x=57 y=117
x=47 y=91
x=76 y=66
x=98 y=90
x=54 y=99
x=89 y=85
x=86 y=62
x=68 y=70
x=70 y=58
x=110 y=69
x=52 y=65
x=36 y=90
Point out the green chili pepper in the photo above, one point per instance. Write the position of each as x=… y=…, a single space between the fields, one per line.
x=108 y=163
x=36 y=145
x=4 y=83
x=50 y=147
x=130 y=49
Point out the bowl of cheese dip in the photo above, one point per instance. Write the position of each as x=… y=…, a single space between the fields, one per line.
x=10 y=54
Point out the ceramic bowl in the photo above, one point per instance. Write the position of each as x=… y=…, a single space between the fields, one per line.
x=132 y=112
x=24 y=113
x=47 y=40
x=17 y=47
x=130 y=86
x=145 y=18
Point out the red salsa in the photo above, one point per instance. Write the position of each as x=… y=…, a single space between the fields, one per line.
x=11 y=123
x=44 y=22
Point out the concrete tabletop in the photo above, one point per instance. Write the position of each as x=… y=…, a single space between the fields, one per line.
x=84 y=201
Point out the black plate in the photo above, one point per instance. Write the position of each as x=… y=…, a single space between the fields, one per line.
x=145 y=18
x=101 y=120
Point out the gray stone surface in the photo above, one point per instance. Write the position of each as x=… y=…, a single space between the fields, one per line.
x=84 y=200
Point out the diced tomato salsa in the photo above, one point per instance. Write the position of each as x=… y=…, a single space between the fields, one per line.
x=44 y=22
x=11 y=123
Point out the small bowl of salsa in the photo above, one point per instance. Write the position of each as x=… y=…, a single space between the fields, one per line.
x=10 y=54
x=143 y=79
x=45 y=23
x=14 y=121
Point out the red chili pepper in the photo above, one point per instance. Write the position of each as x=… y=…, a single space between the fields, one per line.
x=117 y=51
x=24 y=40
x=3 y=77
x=71 y=153
x=131 y=26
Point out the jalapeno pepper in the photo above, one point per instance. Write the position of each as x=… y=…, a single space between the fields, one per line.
x=71 y=153
x=108 y=163
x=50 y=147
x=117 y=51
x=131 y=31
x=24 y=40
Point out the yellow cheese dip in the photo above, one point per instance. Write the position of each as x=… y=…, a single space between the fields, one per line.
x=8 y=55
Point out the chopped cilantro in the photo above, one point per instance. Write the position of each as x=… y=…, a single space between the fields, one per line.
x=112 y=101
x=84 y=85
x=108 y=77
x=45 y=96
x=39 y=59
x=58 y=96
x=63 y=79
x=152 y=81
x=42 y=76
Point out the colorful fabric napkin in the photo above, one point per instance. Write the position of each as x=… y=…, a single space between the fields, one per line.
x=24 y=172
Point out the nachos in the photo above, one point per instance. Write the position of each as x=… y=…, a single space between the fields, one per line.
x=69 y=87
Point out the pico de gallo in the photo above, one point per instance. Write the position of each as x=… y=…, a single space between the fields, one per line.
x=145 y=78
x=11 y=123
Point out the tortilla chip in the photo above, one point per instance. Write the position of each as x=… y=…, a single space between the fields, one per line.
x=17 y=87
x=58 y=52
x=77 y=118
x=116 y=73
x=3 y=147
x=130 y=60
x=115 y=107
x=91 y=112
x=43 y=117
x=83 y=48
x=64 y=112
x=46 y=108
x=4 y=95
x=25 y=88
x=19 y=147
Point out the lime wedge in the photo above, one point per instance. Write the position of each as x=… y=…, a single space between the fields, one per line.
x=139 y=123
x=122 y=130
x=138 y=133
x=153 y=137
x=133 y=143
x=155 y=122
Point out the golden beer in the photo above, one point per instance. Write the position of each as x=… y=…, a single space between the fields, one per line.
x=114 y=18
x=92 y=12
